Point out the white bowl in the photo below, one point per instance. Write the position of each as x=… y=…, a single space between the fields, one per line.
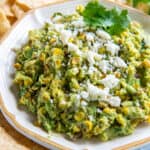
x=19 y=119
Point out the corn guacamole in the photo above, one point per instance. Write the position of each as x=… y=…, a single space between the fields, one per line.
x=82 y=81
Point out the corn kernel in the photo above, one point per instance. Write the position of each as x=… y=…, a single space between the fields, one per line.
x=58 y=63
x=27 y=95
x=82 y=36
x=89 y=125
x=45 y=95
x=146 y=63
x=120 y=120
x=125 y=110
x=17 y=66
x=117 y=74
x=28 y=81
x=80 y=8
x=85 y=48
x=147 y=104
x=117 y=92
x=57 y=51
x=116 y=39
x=62 y=104
x=135 y=123
x=124 y=34
x=42 y=57
x=22 y=101
x=108 y=110
x=97 y=130
x=71 y=40
x=75 y=60
x=148 y=119
x=41 y=111
x=76 y=129
x=52 y=40
x=103 y=104
x=102 y=50
x=79 y=116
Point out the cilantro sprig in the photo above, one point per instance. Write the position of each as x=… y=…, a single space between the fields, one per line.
x=113 y=21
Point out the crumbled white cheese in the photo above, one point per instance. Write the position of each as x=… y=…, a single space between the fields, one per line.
x=63 y=102
x=77 y=100
x=84 y=67
x=98 y=110
x=96 y=46
x=65 y=35
x=84 y=103
x=57 y=18
x=80 y=30
x=78 y=97
x=59 y=27
x=103 y=34
x=84 y=94
x=95 y=93
x=51 y=100
x=112 y=48
x=74 y=33
x=90 y=36
x=110 y=81
x=91 y=70
x=78 y=23
x=91 y=118
x=75 y=70
x=118 y=62
x=104 y=66
x=92 y=56
x=74 y=48
x=114 y=101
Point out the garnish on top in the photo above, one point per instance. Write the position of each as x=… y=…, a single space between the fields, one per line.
x=113 y=21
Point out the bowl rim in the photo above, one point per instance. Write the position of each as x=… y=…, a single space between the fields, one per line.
x=34 y=136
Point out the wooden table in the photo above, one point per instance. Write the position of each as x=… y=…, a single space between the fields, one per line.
x=10 y=139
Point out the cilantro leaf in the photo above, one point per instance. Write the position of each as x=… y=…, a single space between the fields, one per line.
x=113 y=21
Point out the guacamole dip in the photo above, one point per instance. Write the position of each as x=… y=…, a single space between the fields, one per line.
x=85 y=80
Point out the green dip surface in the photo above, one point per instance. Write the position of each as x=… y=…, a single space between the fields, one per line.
x=82 y=81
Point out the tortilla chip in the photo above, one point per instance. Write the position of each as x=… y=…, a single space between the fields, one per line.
x=6 y=7
x=12 y=19
x=24 y=4
x=4 y=23
x=2 y=2
x=7 y=10
x=11 y=10
x=11 y=2
x=17 y=11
